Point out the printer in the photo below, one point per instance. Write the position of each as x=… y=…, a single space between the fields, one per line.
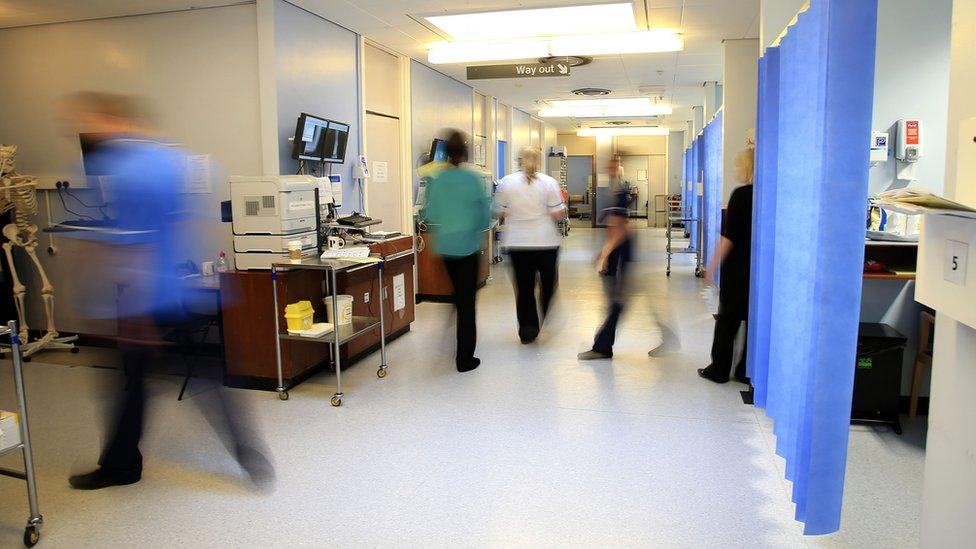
x=268 y=213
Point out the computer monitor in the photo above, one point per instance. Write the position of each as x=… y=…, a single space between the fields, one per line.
x=334 y=145
x=309 y=137
x=438 y=151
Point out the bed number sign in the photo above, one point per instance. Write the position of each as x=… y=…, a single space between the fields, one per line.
x=956 y=262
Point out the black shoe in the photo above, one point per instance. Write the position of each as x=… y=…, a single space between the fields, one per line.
x=470 y=365
x=593 y=355
x=710 y=375
x=528 y=335
x=743 y=379
x=100 y=478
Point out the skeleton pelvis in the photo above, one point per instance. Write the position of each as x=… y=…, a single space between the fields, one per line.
x=20 y=237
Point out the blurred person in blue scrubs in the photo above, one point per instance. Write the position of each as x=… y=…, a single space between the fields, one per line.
x=140 y=251
x=458 y=211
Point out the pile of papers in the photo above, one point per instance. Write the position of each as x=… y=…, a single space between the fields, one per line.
x=318 y=329
x=9 y=430
x=918 y=200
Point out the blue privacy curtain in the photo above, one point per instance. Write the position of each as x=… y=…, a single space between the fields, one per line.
x=712 y=188
x=814 y=118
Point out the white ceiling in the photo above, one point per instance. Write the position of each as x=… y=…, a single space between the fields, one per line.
x=704 y=24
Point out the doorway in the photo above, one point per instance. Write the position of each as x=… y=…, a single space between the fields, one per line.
x=580 y=178
x=381 y=140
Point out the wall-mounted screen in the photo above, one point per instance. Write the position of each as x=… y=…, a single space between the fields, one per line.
x=438 y=151
x=310 y=137
x=334 y=144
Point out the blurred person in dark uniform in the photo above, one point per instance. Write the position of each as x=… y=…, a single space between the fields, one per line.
x=734 y=255
x=140 y=252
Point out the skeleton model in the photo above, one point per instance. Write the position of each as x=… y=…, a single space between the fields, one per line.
x=19 y=193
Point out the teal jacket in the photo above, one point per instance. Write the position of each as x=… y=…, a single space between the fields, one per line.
x=458 y=210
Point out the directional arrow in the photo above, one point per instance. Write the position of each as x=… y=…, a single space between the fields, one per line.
x=563 y=69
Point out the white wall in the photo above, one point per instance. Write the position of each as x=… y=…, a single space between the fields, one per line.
x=912 y=80
x=962 y=85
x=316 y=70
x=676 y=149
x=437 y=102
x=740 y=91
x=521 y=134
x=199 y=71
x=774 y=15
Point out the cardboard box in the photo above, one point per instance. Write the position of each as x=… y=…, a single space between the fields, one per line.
x=9 y=430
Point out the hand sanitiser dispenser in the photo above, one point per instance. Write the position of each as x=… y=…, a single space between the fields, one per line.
x=909 y=145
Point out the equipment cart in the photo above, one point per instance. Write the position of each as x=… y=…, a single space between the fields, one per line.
x=682 y=222
x=32 y=532
x=341 y=333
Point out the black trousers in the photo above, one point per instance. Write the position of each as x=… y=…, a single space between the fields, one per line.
x=732 y=311
x=615 y=287
x=464 y=276
x=528 y=264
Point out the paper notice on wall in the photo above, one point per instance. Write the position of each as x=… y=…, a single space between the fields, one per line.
x=196 y=180
x=399 y=292
x=381 y=172
x=603 y=180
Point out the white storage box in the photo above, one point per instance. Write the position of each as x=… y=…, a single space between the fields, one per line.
x=9 y=430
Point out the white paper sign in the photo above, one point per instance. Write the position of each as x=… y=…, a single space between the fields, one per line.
x=399 y=292
x=197 y=177
x=956 y=259
x=380 y=172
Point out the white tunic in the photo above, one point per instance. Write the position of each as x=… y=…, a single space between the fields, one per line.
x=527 y=208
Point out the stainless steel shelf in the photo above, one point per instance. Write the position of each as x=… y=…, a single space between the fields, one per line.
x=347 y=332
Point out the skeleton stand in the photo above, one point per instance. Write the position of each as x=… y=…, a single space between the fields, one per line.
x=19 y=194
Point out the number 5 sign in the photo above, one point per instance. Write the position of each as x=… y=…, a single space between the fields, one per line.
x=956 y=258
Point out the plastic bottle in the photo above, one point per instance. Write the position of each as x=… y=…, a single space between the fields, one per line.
x=221 y=266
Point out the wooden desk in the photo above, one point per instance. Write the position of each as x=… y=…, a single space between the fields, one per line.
x=249 y=327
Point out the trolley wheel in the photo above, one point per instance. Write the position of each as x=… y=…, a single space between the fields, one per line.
x=26 y=359
x=336 y=400
x=31 y=536
x=698 y=273
x=381 y=373
x=283 y=395
x=668 y=273
x=75 y=350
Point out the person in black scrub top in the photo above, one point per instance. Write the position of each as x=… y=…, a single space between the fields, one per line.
x=612 y=263
x=734 y=256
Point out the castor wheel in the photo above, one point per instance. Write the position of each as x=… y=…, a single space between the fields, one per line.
x=26 y=359
x=31 y=536
x=75 y=350
x=336 y=401
x=667 y=273
x=283 y=395
x=381 y=373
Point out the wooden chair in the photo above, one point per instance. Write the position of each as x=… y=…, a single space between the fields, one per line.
x=926 y=331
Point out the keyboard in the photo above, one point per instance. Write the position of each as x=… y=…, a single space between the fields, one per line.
x=353 y=252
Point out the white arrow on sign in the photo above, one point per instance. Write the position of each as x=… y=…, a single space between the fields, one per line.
x=563 y=69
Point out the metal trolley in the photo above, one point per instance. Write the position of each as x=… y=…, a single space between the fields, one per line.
x=677 y=220
x=341 y=333
x=32 y=532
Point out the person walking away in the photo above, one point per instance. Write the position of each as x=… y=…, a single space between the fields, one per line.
x=530 y=203
x=734 y=255
x=148 y=242
x=612 y=262
x=458 y=211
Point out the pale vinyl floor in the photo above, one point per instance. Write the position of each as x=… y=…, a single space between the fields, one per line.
x=534 y=449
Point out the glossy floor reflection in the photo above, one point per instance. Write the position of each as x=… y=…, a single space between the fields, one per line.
x=533 y=449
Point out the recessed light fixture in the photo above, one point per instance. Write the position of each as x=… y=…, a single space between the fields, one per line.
x=622 y=43
x=614 y=132
x=555 y=21
x=604 y=108
x=591 y=92
x=572 y=60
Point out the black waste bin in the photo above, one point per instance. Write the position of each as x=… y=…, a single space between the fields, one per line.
x=877 y=375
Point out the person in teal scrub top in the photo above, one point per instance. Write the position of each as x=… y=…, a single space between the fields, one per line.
x=458 y=211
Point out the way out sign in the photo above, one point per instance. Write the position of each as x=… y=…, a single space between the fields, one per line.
x=518 y=70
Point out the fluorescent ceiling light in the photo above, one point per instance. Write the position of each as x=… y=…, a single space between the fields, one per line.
x=600 y=18
x=654 y=41
x=613 y=132
x=604 y=108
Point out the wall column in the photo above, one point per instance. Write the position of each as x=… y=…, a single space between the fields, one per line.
x=740 y=93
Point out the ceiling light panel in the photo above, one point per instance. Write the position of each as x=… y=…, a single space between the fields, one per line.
x=634 y=102
x=612 y=132
x=589 y=45
x=567 y=20
x=604 y=108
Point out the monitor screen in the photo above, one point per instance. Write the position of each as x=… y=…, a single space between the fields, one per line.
x=309 y=137
x=334 y=147
x=438 y=151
